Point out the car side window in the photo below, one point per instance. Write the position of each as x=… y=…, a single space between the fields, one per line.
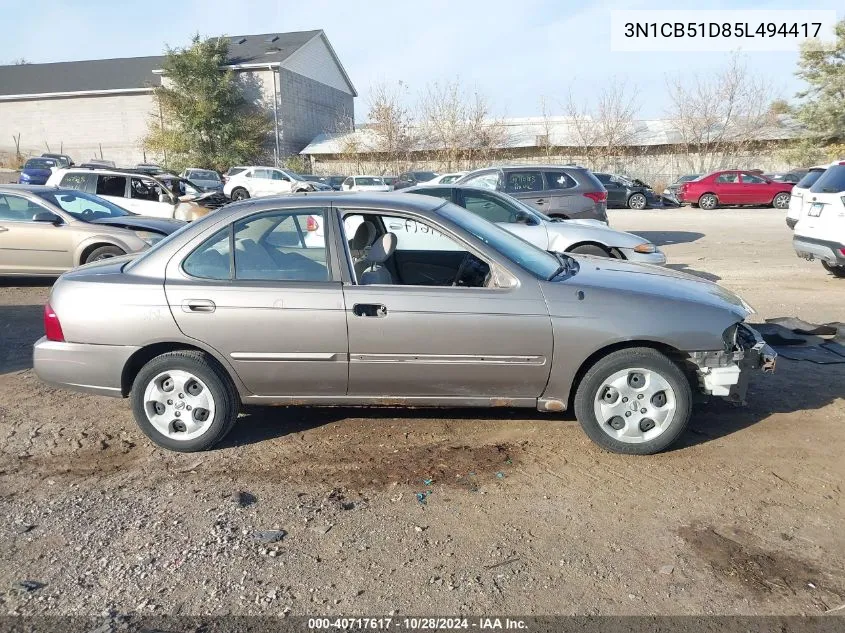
x=522 y=181
x=143 y=189
x=277 y=175
x=212 y=259
x=437 y=192
x=348 y=182
x=489 y=180
x=412 y=235
x=559 y=180
x=727 y=177
x=488 y=208
x=74 y=181
x=282 y=246
x=751 y=179
x=603 y=178
x=17 y=209
x=111 y=186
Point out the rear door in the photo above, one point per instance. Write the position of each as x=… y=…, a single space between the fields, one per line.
x=267 y=301
x=527 y=185
x=114 y=188
x=728 y=187
x=28 y=247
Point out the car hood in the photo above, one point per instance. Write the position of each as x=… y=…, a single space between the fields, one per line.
x=371 y=188
x=571 y=231
x=656 y=281
x=165 y=226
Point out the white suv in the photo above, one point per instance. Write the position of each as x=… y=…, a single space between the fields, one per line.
x=254 y=182
x=820 y=231
x=798 y=196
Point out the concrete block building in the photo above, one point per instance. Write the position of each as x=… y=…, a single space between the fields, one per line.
x=101 y=108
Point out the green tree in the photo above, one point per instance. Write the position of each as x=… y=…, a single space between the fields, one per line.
x=822 y=67
x=204 y=118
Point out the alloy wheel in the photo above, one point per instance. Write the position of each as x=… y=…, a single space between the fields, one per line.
x=781 y=201
x=637 y=201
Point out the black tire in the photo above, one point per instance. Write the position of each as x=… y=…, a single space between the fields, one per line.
x=833 y=269
x=637 y=357
x=226 y=400
x=708 y=202
x=104 y=252
x=637 y=201
x=781 y=201
x=239 y=193
x=591 y=249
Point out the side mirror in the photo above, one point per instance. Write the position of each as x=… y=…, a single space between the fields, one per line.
x=46 y=216
x=165 y=198
x=523 y=218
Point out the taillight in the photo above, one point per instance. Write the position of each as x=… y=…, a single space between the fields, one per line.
x=311 y=224
x=597 y=196
x=52 y=327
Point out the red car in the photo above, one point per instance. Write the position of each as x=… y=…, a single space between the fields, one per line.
x=735 y=187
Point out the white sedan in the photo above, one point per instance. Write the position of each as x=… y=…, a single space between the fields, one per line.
x=588 y=237
x=365 y=183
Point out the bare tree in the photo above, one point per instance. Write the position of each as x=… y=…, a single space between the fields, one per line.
x=350 y=147
x=457 y=128
x=390 y=130
x=583 y=132
x=544 y=140
x=718 y=118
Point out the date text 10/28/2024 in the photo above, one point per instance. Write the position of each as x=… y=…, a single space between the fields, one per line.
x=417 y=624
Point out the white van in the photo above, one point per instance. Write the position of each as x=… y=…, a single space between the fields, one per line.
x=820 y=231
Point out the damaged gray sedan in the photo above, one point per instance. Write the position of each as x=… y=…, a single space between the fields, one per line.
x=396 y=300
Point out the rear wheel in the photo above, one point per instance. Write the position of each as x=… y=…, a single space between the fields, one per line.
x=104 y=252
x=781 y=201
x=184 y=402
x=591 y=249
x=634 y=401
x=637 y=201
x=708 y=202
x=835 y=270
x=239 y=193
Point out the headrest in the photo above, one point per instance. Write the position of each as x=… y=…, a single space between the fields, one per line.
x=364 y=236
x=382 y=249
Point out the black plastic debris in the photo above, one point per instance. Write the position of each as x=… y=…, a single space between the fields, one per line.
x=796 y=339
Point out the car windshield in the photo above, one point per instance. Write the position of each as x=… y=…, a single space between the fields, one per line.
x=39 y=163
x=335 y=181
x=83 y=206
x=810 y=179
x=424 y=176
x=367 y=181
x=533 y=259
x=295 y=176
x=203 y=174
x=832 y=181
x=164 y=241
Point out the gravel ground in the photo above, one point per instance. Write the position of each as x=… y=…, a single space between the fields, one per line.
x=316 y=511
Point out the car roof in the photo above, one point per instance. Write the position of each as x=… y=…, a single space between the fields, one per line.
x=11 y=188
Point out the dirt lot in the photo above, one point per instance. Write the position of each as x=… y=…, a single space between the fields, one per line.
x=525 y=515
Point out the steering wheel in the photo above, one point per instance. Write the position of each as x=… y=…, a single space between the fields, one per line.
x=461 y=269
x=87 y=213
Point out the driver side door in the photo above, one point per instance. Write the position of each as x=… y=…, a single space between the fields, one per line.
x=279 y=182
x=32 y=248
x=420 y=337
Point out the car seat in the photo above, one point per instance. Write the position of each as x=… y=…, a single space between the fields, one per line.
x=360 y=244
x=380 y=252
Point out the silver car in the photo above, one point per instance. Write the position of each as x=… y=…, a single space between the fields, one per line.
x=239 y=309
x=587 y=237
x=46 y=230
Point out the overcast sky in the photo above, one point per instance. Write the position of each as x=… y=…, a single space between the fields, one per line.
x=512 y=51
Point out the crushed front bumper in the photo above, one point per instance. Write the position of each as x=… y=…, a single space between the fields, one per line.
x=726 y=373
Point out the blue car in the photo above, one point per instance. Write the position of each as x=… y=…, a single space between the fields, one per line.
x=36 y=171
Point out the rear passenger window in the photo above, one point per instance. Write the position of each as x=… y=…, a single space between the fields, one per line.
x=521 y=181
x=559 y=180
x=74 y=181
x=727 y=177
x=212 y=259
x=810 y=179
x=111 y=186
x=282 y=246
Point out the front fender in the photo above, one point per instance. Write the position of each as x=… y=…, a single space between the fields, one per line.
x=127 y=245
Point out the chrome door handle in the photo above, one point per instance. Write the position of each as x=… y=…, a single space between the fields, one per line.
x=198 y=305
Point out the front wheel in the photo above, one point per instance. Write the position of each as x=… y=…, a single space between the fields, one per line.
x=634 y=401
x=591 y=249
x=239 y=193
x=708 y=202
x=781 y=201
x=184 y=402
x=835 y=270
x=104 y=252
x=637 y=202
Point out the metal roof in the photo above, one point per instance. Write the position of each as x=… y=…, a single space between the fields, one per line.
x=562 y=132
x=134 y=73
